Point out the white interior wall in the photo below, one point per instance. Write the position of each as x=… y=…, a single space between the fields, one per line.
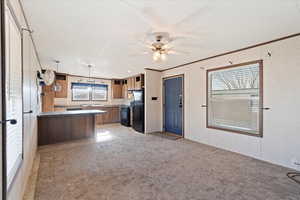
x=153 y=117
x=31 y=102
x=281 y=140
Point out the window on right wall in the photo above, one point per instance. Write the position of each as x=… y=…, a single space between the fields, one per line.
x=235 y=98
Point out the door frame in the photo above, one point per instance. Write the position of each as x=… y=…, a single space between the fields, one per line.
x=183 y=101
x=3 y=106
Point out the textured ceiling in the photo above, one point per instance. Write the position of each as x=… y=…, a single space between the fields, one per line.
x=105 y=33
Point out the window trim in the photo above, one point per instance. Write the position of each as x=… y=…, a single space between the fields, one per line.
x=260 y=62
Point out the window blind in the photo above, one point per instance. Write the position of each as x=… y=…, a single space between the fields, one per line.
x=80 y=92
x=87 y=91
x=233 y=98
x=99 y=92
x=13 y=97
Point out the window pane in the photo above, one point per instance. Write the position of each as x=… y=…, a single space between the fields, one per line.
x=233 y=98
x=80 y=92
x=99 y=92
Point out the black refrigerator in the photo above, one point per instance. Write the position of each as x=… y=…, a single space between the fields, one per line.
x=138 y=111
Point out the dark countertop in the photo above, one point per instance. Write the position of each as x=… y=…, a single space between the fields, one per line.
x=73 y=112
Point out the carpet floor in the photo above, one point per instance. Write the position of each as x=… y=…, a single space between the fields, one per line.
x=120 y=164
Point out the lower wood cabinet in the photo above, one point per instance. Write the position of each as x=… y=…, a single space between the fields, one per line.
x=112 y=115
x=57 y=129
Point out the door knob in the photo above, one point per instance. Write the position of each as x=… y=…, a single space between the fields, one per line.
x=12 y=121
x=180 y=101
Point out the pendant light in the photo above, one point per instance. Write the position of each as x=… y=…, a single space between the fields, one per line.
x=90 y=68
x=57 y=87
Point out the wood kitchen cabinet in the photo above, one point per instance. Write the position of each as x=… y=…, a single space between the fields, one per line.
x=117 y=89
x=139 y=82
x=112 y=115
x=136 y=82
x=125 y=89
x=62 y=80
x=48 y=98
x=130 y=82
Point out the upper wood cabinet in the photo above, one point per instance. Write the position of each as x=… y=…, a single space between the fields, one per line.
x=139 y=82
x=125 y=89
x=130 y=82
x=135 y=82
x=62 y=80
x=116 y=88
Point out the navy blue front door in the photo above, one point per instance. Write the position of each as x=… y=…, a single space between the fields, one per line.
x=173 y=105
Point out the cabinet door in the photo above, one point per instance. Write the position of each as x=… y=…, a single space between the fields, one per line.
x=48 y=99
x=106 y=116
x=99 y=119
x=116 y=89
x=64 y=89
x=115 y=115
x=128 y=84
x=138 y=83
x=131 y=83
x=124 y=91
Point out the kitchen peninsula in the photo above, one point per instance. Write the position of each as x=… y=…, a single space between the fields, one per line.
x=55 y=127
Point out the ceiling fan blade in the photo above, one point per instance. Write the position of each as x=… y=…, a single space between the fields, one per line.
x=138 y=54
x=157 y=20
x=192 y=17
x=146 y=15
x=172 y=52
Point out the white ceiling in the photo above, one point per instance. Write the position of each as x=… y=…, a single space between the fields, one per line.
x=105 y=32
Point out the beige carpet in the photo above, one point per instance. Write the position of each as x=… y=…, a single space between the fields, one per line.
x=121 y=164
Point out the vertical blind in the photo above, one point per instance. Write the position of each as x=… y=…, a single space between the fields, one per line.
x=13 y=93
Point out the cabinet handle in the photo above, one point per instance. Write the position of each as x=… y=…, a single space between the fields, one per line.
x=28 y=112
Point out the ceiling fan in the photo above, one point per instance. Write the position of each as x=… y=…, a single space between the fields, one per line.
x=159 y=44
x=162 y=36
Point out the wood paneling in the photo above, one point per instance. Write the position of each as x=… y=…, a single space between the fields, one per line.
x=48 y=99
x=61 y=129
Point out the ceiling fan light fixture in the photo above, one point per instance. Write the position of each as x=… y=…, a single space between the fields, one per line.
x=156 y=56
x=163 y=56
